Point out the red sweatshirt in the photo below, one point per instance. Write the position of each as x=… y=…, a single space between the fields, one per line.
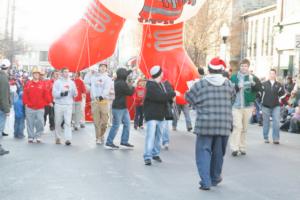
x=48 y=87
x=80 y=89
x=35 y=95
x=139 y=95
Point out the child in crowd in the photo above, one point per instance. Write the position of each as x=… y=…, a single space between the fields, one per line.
x=19 y=116
x=139 y=96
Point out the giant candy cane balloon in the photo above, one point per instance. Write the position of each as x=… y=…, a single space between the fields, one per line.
x=93 y=38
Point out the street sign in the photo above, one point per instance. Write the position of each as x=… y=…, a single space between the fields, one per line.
x=297 y=44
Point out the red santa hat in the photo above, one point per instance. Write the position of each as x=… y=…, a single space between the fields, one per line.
x=217 y=64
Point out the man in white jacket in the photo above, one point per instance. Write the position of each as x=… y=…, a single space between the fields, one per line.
x=64 y=91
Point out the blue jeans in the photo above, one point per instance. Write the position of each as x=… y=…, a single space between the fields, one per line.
x=275 y=114
x=119 y=115
x=186 y=111
x=210 y=151
x=152 y=139
x=165 y=132
x=19 y=127
x=2 y=121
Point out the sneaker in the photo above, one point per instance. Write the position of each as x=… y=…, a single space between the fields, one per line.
x=68 y=143
x=82 y=126
x=38 y=140
x=235 y=153
x=76 y=129
x=276 y=142
x=243 y=153
x=157 y=158
x=30 y=140
x=135 y=127
x=111 y=146
x=148 y=162
x=4 y=134
x=165 y=146
x=189 y=129
x=127 y=145
x=204 y=188
x=99 y=141
x=217 y=182
x=267 y=141
x=3 y=151
x=57 y=141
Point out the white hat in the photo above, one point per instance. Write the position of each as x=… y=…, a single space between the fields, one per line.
x=5 y=63
x=217 y=64
x=155 y=71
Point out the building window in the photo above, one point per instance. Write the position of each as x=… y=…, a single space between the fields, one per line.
x=43 y=56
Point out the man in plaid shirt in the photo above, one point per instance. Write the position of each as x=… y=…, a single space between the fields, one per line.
x=212 y=97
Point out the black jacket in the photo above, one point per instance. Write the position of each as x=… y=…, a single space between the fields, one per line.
x=270 y=94
x=122 y=89
x=156 y=99
x=5 y=102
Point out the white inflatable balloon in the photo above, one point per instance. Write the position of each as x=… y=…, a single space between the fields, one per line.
x=174 y=9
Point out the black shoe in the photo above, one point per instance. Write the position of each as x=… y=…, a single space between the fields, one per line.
x=68 y=143
x=82 y=126
x=204 y=188
x=157 y=158
x=217 y=182
x=276 y=142
x=4 y=134
x=127 y=145
x=189 y=129
x=111 y=146
x=243 y=153
x=3 y=152
x=52 y=128
x=148 y=162
x=76 y=129
x=235 y=153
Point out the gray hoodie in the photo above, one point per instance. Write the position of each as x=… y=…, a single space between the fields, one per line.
x=215 y=79
x=63 y=85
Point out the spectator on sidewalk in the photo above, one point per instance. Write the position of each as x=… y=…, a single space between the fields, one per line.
x=19 y=116
x=271 y=91
x=139 y=96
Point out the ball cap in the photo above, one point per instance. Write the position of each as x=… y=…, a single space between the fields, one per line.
x=155 y=71
x=217 y=64
x=5 y=63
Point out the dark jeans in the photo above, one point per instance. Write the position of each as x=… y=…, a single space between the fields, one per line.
x=19 y=127
x=49 y=111
x=139 y=116
x=210 y=151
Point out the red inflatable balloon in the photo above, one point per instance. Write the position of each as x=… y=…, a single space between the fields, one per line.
x=89 y=41
x=163 y=46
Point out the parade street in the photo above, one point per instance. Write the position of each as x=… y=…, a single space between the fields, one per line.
x=86 y=171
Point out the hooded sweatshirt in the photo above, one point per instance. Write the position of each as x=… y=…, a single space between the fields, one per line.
x=122 y=89
x=63 y=85
x=215 y=79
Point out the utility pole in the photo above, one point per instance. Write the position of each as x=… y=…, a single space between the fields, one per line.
x=12 y=48
x=7 y=20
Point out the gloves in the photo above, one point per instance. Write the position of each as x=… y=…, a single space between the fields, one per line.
x=237 y=88
x=64 y=94
x=100 y=98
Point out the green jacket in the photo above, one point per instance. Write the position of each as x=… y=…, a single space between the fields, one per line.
x=5 y=103
x=249 y=94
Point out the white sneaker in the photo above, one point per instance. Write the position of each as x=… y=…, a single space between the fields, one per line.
x=99 y=141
